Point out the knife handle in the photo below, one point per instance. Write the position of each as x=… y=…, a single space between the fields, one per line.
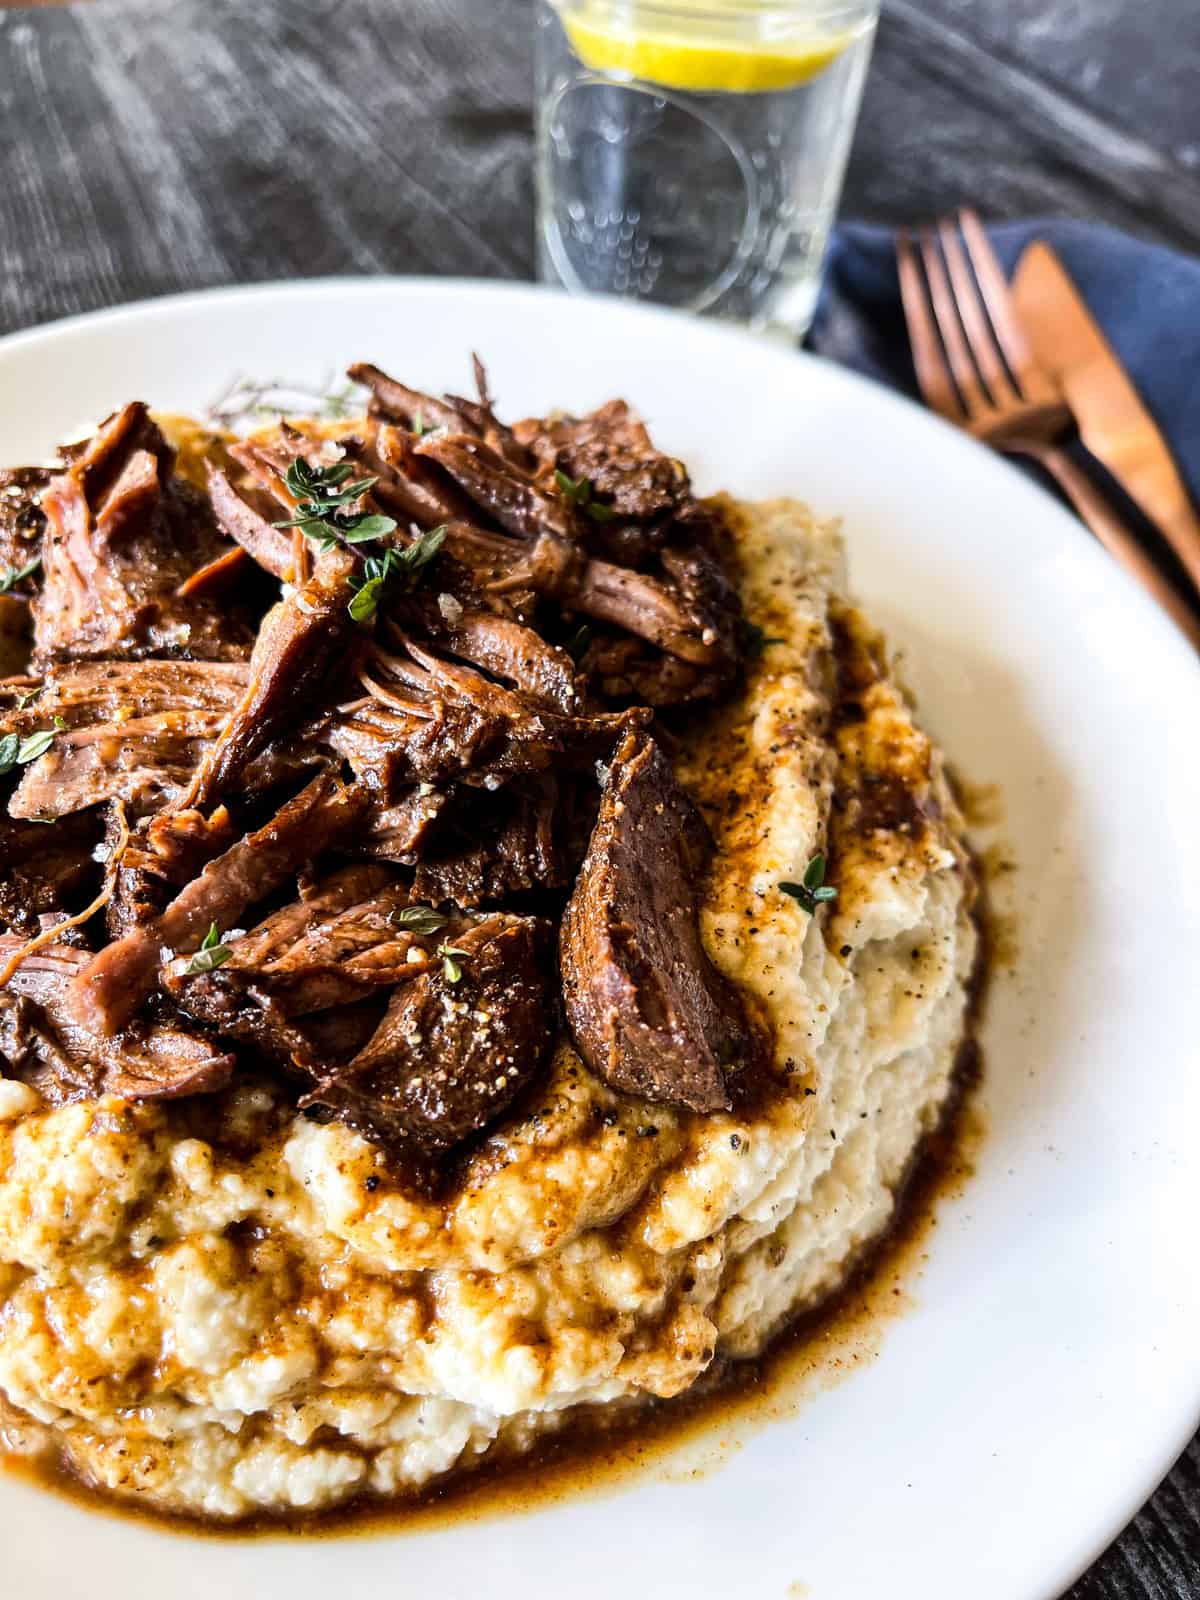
x=1112 y=533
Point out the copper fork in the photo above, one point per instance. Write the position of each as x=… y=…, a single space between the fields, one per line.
x=975 y=368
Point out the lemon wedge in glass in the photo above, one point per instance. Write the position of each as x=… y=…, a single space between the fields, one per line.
x=709 y=54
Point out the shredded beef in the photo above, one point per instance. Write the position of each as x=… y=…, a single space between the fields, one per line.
x=303 y=769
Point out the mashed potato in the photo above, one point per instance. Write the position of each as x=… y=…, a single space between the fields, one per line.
x=227 y=1309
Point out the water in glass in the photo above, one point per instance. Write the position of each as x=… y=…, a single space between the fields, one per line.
x=692 y=154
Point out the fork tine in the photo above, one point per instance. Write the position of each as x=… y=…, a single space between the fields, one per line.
x=994 y=288
x=981 y=336
x=975 y=402
x=933 y=376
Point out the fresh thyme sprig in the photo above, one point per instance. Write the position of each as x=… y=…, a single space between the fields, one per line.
x=211 y=954
x=11 y=576
x=251 y=400
x=814 y=891
x=380 y=571
x=451 y=955
x=579 y=492
x=321 y=493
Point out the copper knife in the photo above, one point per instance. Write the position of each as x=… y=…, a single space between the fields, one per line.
x=1112 y=420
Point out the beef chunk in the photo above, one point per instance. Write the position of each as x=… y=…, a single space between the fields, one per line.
x=110 y=989
x=449 y=1056
x=163 y=853
x=649 y=1012
x=502 y=647
x=133 y=731
x=399 y=403
x=159 y=1057
x=248 y=520
x=122 y=535
x=611 y=449
x=398 y=831
x=334 y=946
x=434 y=720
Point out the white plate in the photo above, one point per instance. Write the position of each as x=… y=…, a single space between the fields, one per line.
x=1050 y=1370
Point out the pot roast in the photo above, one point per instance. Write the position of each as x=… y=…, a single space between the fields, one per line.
x=350 y=768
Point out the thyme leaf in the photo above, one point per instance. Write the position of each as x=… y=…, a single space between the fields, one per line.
x=18 y=752
x=11 y=576
x=421 y=920
x=451 y=956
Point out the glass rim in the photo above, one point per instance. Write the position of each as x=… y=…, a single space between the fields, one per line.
x=722 y=12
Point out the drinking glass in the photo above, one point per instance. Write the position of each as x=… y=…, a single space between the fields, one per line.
x=691 y=152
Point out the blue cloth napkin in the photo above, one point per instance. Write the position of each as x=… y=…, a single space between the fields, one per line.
x=1145 y=297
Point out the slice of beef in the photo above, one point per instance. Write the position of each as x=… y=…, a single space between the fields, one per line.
x=422 y=413
x=134 y=731
x=331 y=948
x=127 y=729
x=653 y=610
x=409 y=488
x=318 y=903
x=300 y=642
x=499 y=645
x=87 y=693
x=160 y=1058
x=622 y=670
x=163 y=853
x=519 y=504
x=686 y=609
x=146 y=762
x=649 y=1012
x=449 y=1057
x=122 y=536
x=247 y=517
x=326 y=952
x=434 y=720
x=117 y=981
x=469 y=728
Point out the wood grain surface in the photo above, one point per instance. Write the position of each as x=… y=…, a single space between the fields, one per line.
x=154 y=145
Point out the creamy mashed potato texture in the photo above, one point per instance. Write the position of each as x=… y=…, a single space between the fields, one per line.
x=225 y=1309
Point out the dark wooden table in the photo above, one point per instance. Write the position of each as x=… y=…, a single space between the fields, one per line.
x=154 y=145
